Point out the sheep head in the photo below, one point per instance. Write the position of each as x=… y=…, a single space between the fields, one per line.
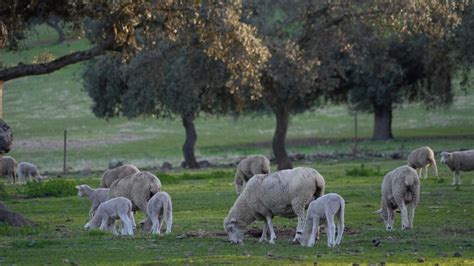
x=234 y=230
x=446 y=157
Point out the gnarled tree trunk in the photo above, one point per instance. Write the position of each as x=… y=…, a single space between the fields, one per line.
x=54 y=23
x=11 y=218
x=279 y=137
x=6 y=135
x=191 y=137
x=382 y=122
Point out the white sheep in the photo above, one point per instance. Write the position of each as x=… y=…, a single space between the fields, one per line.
x=29 y=170
x=8 y=168
x=96 y=196
x=322 y=211
x=421 y=158
x=248 y=167
x=283 y=193
x=159 y=209
x=109 y=176
x=458 y=161
x=138 y=187
x=400 y=189
x=111 y=210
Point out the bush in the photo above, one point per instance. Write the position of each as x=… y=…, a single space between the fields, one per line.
x=362 y=171
x=53 y=188
x=173 y=179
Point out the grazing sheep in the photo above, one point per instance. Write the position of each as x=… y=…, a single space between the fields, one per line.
x=284 y=193
x=109 y=176
x=400 y=189
x=96 y=196
x=8 y=168
x=159 y=209
x=111 y=210
x=248 y=167
x=138 y=187
x=458 y=161
x=422 y=158
x=322 y=211
x=29 y=170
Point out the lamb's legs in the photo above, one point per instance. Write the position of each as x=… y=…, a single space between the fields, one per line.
x=411 y=214
x=127 y=226
x=330 y=230
x=314 y=230
x=169 y=224
x=270 y=227
x=263 y=238
x=340 y=229
x=426 y=172
x=390 y=217
x=458 y=178
x=156 y=228
x=404 y=214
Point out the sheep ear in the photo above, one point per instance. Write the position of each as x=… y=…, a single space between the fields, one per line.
x=378 y=211
x=233 y=220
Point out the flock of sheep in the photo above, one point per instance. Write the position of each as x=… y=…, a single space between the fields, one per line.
x=261 y=196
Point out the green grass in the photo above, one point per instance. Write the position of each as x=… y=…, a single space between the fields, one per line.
x=444 y=225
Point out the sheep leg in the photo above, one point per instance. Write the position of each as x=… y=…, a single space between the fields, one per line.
x=390 y=217
x=169 y=224
x=340 y=227
x=270 y=227
x=263 y=238
x=458 y=178
x=330 y=229
x=420 y=172
x=411 y=214
x=155 y=229
x=314 y=230
x=298 y=208
x=426 y=172
x=404 y=214
x=132 y=218
x=126 y=224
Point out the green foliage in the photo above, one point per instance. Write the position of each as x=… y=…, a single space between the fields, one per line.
x=3 y=192
x=363 y=171
x=177 y=178
x=52 y=188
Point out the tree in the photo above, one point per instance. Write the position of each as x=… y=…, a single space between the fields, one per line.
x=185 y=82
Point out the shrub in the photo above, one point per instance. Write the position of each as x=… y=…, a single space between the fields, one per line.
x=363 y=171
x=53 y=188
x=173 y=179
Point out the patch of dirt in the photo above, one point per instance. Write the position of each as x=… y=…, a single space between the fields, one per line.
x=50 y=144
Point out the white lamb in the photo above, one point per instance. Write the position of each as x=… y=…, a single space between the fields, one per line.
x=96 y=196
x=159 y=209
x=322 y=211
x=458 y=161
x=421 y=158
x=111 y=210
x=248 y=167
x=400 y=189
x=283 y=193
x=29 y=170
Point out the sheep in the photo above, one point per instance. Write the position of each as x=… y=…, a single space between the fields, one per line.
x=8 y=168
x=109 y=176
x=111 y=210
x=422 y=158
x=138 y=187
x=96 y=196
x=248 y=167
x=323 y=210
x=29 y=170
x=458 y=161
x=400 y=189
x=284 y=193
x=159 y=209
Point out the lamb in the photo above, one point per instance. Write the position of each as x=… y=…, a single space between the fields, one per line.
x=111 y=210
x=422 y=158
x=159 y=209
x=109 y=176
x=96 y=196
x=284 y=193
x=8 y=168
x=323 y=210
x=400 y=189
x=138 y=187
x=29 y=170
x=458 y=161
x=248 y=167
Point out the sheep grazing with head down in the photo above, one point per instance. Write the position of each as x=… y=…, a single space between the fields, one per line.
x=458 y=161
x=138 y=187
x=248 y=167
x=421 y=158
x=96 y=196
x=283 y=193
x=8 y=168
x=28 y=170
x=159 y=209
x=111 y=210
x=322 y=211
x=400 y=189
x=109 y=176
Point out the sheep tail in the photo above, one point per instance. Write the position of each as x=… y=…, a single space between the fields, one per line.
x=320 y=184
x=433 y=163
x=409 y=180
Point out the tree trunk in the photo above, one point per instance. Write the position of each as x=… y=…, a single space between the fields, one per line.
x=382 y=122
x=11 y=218
x=54 y=23
x=191 y=137
x=6 y=135
x=279 y=138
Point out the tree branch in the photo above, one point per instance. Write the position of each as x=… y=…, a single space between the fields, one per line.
x=22 y=70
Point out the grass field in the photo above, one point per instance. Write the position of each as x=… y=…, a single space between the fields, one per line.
x=444 y=225
x=40 y=108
